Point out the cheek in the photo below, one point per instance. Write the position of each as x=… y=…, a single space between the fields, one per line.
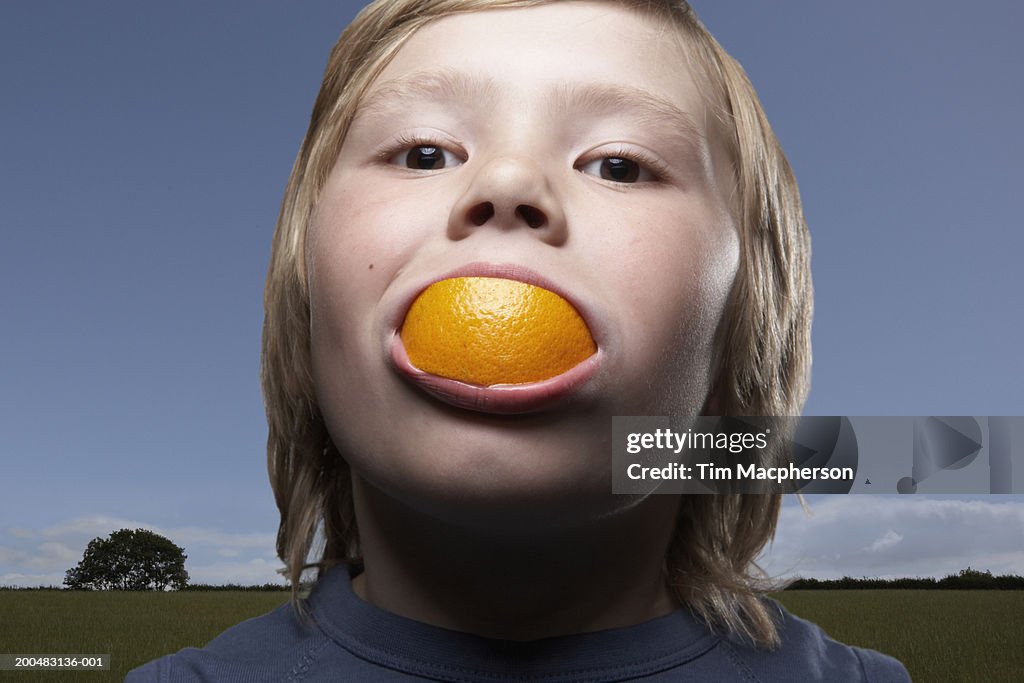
x=363 y=221
x=675 y=263
x=348 y=228
x=357 y=241
x=673 y=276
x=343 y=290
x=337 y=283
x=344 y=260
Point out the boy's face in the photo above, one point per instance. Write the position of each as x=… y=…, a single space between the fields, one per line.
x=589 y=116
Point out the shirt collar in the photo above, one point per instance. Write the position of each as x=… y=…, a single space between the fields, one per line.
x=422 y=649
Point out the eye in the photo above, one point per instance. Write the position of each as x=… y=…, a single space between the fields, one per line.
x=422 y=156
x=619 y=169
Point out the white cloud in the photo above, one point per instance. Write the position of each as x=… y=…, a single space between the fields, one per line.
x=192 y=535
x=31 y=580
x=57 y=550
x=32 y=557
x=890 y=539
x=42 y=556
x=46 y=555
x=255 y=571
x=187 y=536
x=91 y=526
x=886 y=536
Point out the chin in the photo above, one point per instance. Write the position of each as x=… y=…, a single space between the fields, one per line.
x=510 y=478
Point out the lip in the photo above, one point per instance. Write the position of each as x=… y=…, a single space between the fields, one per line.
x=502 y=399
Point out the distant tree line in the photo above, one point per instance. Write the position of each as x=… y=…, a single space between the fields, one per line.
x=138 y=559
x=237 y=587
x=190 y=587
x=965 y=579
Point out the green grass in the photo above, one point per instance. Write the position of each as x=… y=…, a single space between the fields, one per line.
x=940 y=635
x=132 y=627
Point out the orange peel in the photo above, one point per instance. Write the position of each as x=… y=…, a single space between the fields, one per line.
x=489 y=331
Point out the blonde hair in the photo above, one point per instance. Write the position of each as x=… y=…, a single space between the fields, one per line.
x=763 y=341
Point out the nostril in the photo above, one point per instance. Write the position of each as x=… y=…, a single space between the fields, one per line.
x=534 y=217
x=481 y=213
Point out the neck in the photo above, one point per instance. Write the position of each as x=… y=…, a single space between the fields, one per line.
x=515 y=585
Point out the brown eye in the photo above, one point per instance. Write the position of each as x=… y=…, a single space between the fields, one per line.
x=620 y=170
x=425 y=158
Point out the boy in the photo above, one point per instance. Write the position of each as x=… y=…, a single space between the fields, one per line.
x=609 y=152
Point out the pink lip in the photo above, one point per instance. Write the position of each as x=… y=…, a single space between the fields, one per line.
x=504 y=399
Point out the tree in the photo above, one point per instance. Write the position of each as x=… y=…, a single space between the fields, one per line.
x=129 y=560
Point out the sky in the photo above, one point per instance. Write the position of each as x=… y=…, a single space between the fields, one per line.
x=144 y=149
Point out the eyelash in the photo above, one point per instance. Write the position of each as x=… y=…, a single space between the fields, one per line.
x=406 y=142
x=654 y=166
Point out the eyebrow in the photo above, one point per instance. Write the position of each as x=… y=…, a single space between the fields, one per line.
x=459 y=86
x=438 y=85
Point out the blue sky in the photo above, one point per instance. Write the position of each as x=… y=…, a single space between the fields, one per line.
x=144 y=150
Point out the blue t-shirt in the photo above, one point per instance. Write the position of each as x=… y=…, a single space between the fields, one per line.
x=353 y=640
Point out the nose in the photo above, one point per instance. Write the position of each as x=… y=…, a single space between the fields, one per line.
x=509 y=193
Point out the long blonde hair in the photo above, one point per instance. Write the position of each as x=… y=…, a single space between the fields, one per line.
x=763 y=341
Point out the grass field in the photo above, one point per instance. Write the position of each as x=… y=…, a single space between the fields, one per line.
x=132 y=627
x=958 y=636
x=940 y=635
